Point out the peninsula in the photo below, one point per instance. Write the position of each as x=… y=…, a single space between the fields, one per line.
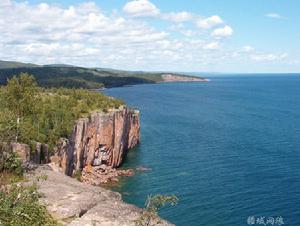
x=70 y=76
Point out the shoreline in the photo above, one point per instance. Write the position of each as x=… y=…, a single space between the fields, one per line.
x=154 y=83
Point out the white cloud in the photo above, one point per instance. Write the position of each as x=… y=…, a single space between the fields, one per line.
x=211 y=46
x=209 y=22
x=274 y=15
x=248 y=49
x=141 y=8
x=268 y=57
x=188 y=33
x=84 y=35
x=80 y=34
x=222 y=32
x=5 y=3
x=178 y=17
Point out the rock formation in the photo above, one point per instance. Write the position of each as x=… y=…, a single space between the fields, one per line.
x=101 y=139
x=39 y=155
x=22 y=151
x=76 y=204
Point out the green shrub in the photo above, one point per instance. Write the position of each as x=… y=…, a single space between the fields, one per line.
x=12 y=164
x=20 y=206
x=9 y=161
x=154 y=203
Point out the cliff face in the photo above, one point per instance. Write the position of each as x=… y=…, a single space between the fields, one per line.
x=101 y=139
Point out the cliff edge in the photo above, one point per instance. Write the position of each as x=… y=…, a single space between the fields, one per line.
x=101 y=140
x=74 y=203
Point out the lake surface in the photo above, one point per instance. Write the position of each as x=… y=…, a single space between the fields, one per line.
x=229 y=149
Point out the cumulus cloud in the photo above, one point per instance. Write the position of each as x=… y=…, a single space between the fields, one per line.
x=222 y=32
x=84 y=35
x=178 y=17
x=141 y=8
x=80 y=34
x=209 y=22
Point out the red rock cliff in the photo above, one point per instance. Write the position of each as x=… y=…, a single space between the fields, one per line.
x=101 y=139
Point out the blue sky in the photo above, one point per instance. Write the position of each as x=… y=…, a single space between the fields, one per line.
x=212 y=36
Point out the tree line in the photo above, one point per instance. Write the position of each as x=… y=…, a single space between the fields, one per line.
x=30 y=113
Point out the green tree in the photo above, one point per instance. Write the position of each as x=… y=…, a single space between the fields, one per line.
x=31 y=114
x=153 y=204
x=20 y=97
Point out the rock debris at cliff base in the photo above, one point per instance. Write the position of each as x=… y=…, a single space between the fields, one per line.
x=103 y=174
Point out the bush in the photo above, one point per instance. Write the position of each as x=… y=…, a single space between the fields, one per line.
x=19 y=206
x=10 y=167
x=9 y=161
x=153 y=204
x=12 y=164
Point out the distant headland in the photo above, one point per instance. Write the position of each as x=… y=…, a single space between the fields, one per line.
x=69 y=76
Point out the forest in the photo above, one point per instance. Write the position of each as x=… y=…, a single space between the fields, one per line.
x=75 y=77
x=30 y=113
x=70 y=76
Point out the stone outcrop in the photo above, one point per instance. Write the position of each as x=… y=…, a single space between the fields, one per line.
x=101 y=139
x=74 y=203
x=40 y=154
x=22 y=151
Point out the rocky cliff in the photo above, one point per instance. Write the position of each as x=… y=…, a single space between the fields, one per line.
x=100 y=140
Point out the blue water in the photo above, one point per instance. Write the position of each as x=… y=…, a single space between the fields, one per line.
x=229 y=149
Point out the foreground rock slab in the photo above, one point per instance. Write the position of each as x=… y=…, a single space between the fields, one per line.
x=74 y=203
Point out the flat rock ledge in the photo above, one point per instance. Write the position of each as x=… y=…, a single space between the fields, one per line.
x=77 y=204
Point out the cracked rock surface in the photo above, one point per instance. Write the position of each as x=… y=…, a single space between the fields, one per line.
x=77 y=204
